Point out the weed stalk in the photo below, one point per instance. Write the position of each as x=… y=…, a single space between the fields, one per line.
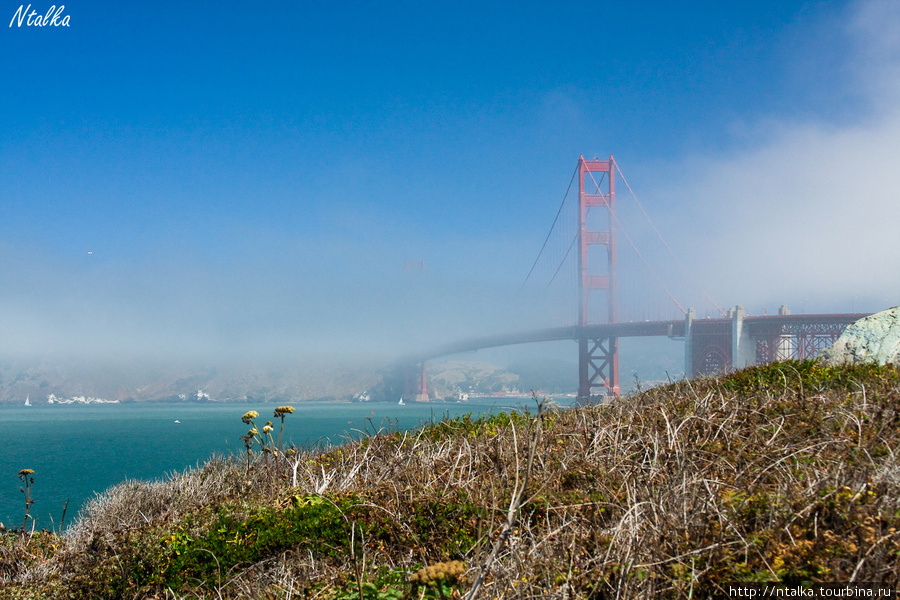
x=27 y=477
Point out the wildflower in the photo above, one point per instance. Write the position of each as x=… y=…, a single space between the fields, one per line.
x=450 y=572
x=249 y=416
x=25 y=476
x=280 y=412
x=267 y=428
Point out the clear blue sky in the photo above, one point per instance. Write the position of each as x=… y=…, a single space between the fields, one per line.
x=244 y=177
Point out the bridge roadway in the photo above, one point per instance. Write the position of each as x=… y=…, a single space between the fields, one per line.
x=722 y=340
x=553 y=334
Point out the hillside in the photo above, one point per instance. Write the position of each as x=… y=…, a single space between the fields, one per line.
x=273 y=381
x=448 y=378
x=154 y=381
x=786 y=473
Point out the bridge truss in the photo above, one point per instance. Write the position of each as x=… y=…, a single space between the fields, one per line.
x=797 y=340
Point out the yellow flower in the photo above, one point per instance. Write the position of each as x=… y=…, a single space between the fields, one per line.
x=249 y=416
x=26 y=472
x=449 y=571
x=283 y=410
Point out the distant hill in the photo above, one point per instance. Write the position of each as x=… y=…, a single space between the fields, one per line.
x=551 y=376
x=283 y=381
x=147 y=381
x=278 y=381
x=448 y=378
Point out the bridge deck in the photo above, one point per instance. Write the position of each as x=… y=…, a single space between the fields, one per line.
x=759 y=326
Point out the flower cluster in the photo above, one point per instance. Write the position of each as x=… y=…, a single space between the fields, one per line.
x=439 y=572
x=265 y=439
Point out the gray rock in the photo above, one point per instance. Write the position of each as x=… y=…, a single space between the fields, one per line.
x=875 y=338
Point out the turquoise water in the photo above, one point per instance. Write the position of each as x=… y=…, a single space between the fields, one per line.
x=77 y=451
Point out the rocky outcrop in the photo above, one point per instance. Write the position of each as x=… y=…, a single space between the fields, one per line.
x=875 y=338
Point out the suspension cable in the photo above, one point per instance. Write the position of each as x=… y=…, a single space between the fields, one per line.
x=612 y=214
x=571 y=245
x=659 y=235
x=547 y=239
x=563 y=261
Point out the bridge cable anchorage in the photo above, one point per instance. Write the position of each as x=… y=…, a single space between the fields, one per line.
x=546 y=239
x=636 y=251
x=664 y=242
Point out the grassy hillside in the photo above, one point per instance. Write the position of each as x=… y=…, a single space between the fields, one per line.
x=785 y=473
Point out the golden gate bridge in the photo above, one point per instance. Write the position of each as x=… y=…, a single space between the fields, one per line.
x=590 y=238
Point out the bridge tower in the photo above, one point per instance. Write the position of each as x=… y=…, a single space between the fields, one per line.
x=415 y=382
x=598 y=357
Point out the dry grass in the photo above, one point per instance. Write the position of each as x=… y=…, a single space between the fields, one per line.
x=786 y=473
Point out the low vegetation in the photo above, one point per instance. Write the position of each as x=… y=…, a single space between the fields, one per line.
x=784 y=473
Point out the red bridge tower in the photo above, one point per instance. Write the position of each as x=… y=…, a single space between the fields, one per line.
x=598 y=358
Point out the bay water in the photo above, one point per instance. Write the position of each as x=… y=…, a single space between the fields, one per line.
x=77 y=451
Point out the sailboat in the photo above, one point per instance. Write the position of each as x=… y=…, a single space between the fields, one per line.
x=401 y=403
x=27 y=401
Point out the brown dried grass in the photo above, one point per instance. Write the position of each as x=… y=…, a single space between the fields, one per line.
x=786 y=473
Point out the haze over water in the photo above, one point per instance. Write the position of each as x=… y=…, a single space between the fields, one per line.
x=77 y=451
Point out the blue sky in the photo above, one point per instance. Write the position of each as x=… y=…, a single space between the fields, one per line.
x=198 y=178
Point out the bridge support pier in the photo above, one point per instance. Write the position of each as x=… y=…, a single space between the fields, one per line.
x=598 y=367
x=689 y=317
x=743 y=347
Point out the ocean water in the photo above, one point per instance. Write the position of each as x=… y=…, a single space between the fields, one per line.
x=77 y=451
